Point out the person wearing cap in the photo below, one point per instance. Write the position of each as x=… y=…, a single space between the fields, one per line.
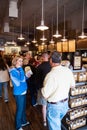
x=56 y=86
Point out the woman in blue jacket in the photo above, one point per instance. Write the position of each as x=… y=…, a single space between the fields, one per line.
x=19 y=91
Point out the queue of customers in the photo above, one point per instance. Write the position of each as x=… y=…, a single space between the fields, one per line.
x=46 y=80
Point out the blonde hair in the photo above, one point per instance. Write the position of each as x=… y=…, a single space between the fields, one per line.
x=15 y=59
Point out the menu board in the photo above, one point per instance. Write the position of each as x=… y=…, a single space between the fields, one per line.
x=59 y=46
x=72 y=46
x=65 y=46
x=51 y=47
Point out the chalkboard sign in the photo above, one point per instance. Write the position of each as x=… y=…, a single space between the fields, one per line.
x=77 y=64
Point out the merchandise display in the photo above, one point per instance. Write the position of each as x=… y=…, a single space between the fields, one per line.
x=77 y=114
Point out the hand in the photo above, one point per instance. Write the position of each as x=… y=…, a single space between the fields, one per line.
x=28 y=75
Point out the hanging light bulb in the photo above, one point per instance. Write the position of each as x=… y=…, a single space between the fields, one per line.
x=52 y=41
x=34 y=40
x=21 y=35
x=27 y=43
x=36 y=44
x=57 y=35
x=43 y=43
x=64 y=38
x=13 y=42
x=82 y=36
x=42 y=27
x=43 y=37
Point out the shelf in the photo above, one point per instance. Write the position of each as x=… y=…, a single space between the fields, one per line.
x=81 y=83
x=77 y=104
x=82 y=128
x=82 y=70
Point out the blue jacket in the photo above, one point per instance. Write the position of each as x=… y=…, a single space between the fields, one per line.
x=18 y=80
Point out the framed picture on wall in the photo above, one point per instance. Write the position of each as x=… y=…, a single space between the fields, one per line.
x=14 y=50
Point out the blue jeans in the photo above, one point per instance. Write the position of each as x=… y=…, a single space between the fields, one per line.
x=55 y=113
x=32 y=88
x=5 y=87
x=20 y=110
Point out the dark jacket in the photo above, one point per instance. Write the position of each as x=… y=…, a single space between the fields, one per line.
x=42 y=70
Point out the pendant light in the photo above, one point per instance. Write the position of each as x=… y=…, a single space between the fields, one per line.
x=27 y=43
x=21 y=35
x=13 y=42
x=43 y=43
x=52 y=41
x=82 y=36
x=34 y=40
x=42 y=27
x=43 y=37
x=64 y=37
x=57 y=35
x=36 y=45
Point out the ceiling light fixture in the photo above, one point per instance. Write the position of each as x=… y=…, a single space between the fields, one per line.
x=21 y=35
x=82 y=36
x=28 y=43
x=64 y=38
x=42 y=27
x=36 y=45
x=52 y=41
x=28 y=36
x=57 y=35
x=43 y=43
x=34 y=40
x=43 y=37
x=25 y=45
x=13 y=42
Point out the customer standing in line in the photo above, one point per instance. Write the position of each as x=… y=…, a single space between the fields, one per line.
x=42 y=70
x=19 y=90
x=4 y=79
x=56 y=88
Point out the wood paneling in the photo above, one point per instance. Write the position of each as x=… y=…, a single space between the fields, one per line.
x=82 y=44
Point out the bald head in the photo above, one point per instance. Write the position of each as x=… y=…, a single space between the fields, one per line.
x=45 y=56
